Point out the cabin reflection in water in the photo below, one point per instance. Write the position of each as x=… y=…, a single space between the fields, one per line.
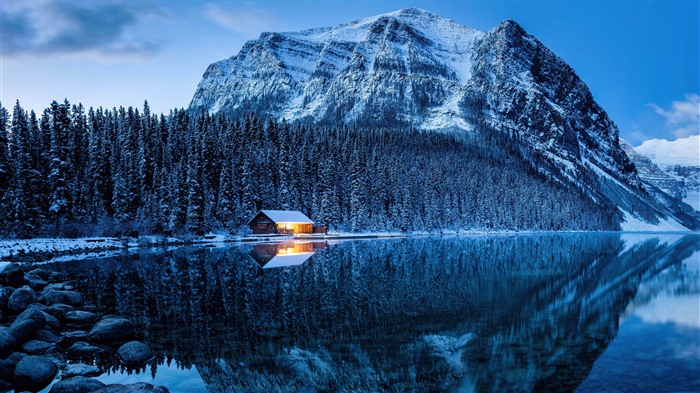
x=274 y=255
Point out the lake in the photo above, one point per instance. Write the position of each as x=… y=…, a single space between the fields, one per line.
x=527 y=312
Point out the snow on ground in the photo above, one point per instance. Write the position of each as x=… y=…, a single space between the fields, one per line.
x=634 y=224
x=15 y=247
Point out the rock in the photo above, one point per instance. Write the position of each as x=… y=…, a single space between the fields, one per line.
x=45 y=335
x=58 y=310
x=112 y=329
x=83 y=349
x=37 y=347
x=20 y=299
x=81 y=369
x=16 y=357
x=81 y=317
x=23 y=330
x=53 y=296
x=33 y=314
x=135 y=352
x=77 y=385
x=8 y=342
x=12 y=275
x=34 y=373
x=75 y=334
x=60 y=286
x=5 y=386
x=140 y=387
x=52 y=321
x=4 y=296
x=38 y=306
x=35 y=281
x=44 y=274
x=7 y=370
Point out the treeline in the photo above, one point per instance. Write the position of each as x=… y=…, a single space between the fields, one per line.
x=71 y=172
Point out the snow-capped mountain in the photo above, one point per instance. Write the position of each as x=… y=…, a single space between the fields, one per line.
x=664 y=153
x=673 y=166
x=412 y=68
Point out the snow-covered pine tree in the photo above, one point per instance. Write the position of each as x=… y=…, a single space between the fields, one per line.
x=60 y=206
x=195 y=192
x=22 y=196
x=5 y=167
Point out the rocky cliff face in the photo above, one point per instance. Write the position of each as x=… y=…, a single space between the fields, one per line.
x=406 y=67
x=411 y=68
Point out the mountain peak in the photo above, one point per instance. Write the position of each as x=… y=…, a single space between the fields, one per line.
x=413 y=69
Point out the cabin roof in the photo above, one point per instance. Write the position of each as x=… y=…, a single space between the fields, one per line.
x=284 y=216
x=287 y=260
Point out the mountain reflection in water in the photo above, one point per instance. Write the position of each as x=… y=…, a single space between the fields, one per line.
x=485 y=313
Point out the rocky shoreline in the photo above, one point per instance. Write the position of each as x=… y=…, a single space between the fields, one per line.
x=49 y=333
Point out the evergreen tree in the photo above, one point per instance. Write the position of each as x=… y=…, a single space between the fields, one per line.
x=5 y=166
x=59 y=178
x=23 y=206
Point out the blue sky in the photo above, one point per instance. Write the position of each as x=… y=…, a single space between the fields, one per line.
x=639 y=58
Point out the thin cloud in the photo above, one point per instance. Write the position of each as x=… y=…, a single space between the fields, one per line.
x=38 y=28
x=683 y=118
x=246 y=20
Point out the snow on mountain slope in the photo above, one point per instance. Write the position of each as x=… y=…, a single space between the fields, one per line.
x=410 y=63
x=673 y=166
x=412 y=68
x=682 y=151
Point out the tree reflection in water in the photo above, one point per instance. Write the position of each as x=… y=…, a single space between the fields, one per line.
x=484 y=313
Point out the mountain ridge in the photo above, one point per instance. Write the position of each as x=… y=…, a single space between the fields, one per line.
x=413 y=69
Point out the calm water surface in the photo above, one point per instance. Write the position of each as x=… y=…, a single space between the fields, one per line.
x=564 y=312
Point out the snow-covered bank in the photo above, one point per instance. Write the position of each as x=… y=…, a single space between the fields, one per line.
x=633 y=224
x=14 y=249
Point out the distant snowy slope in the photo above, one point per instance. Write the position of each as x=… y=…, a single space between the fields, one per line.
x=682 y=151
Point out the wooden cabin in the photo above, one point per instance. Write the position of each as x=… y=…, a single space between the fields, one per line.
x=282 y=222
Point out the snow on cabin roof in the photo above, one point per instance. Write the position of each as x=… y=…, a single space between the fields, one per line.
x=288 y=260
x=286 y=216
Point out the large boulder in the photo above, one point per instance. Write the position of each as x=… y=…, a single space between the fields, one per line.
x=15 y=357
x=34 y=373
x=49 y=337
x=33 y=314
x=37 y=347
x=7 y=370
x=8 y=342
x=135 y=353
x=44 y=274
x=53 y=296
x=20 y=299
x=58 y=310
x=77 y=385
x=140 y=387
x=24 y=330
x=12 y=275
x=4 y=296
x=111 y=329
x=51 y=321
x=35 y=281
x=5 y=386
